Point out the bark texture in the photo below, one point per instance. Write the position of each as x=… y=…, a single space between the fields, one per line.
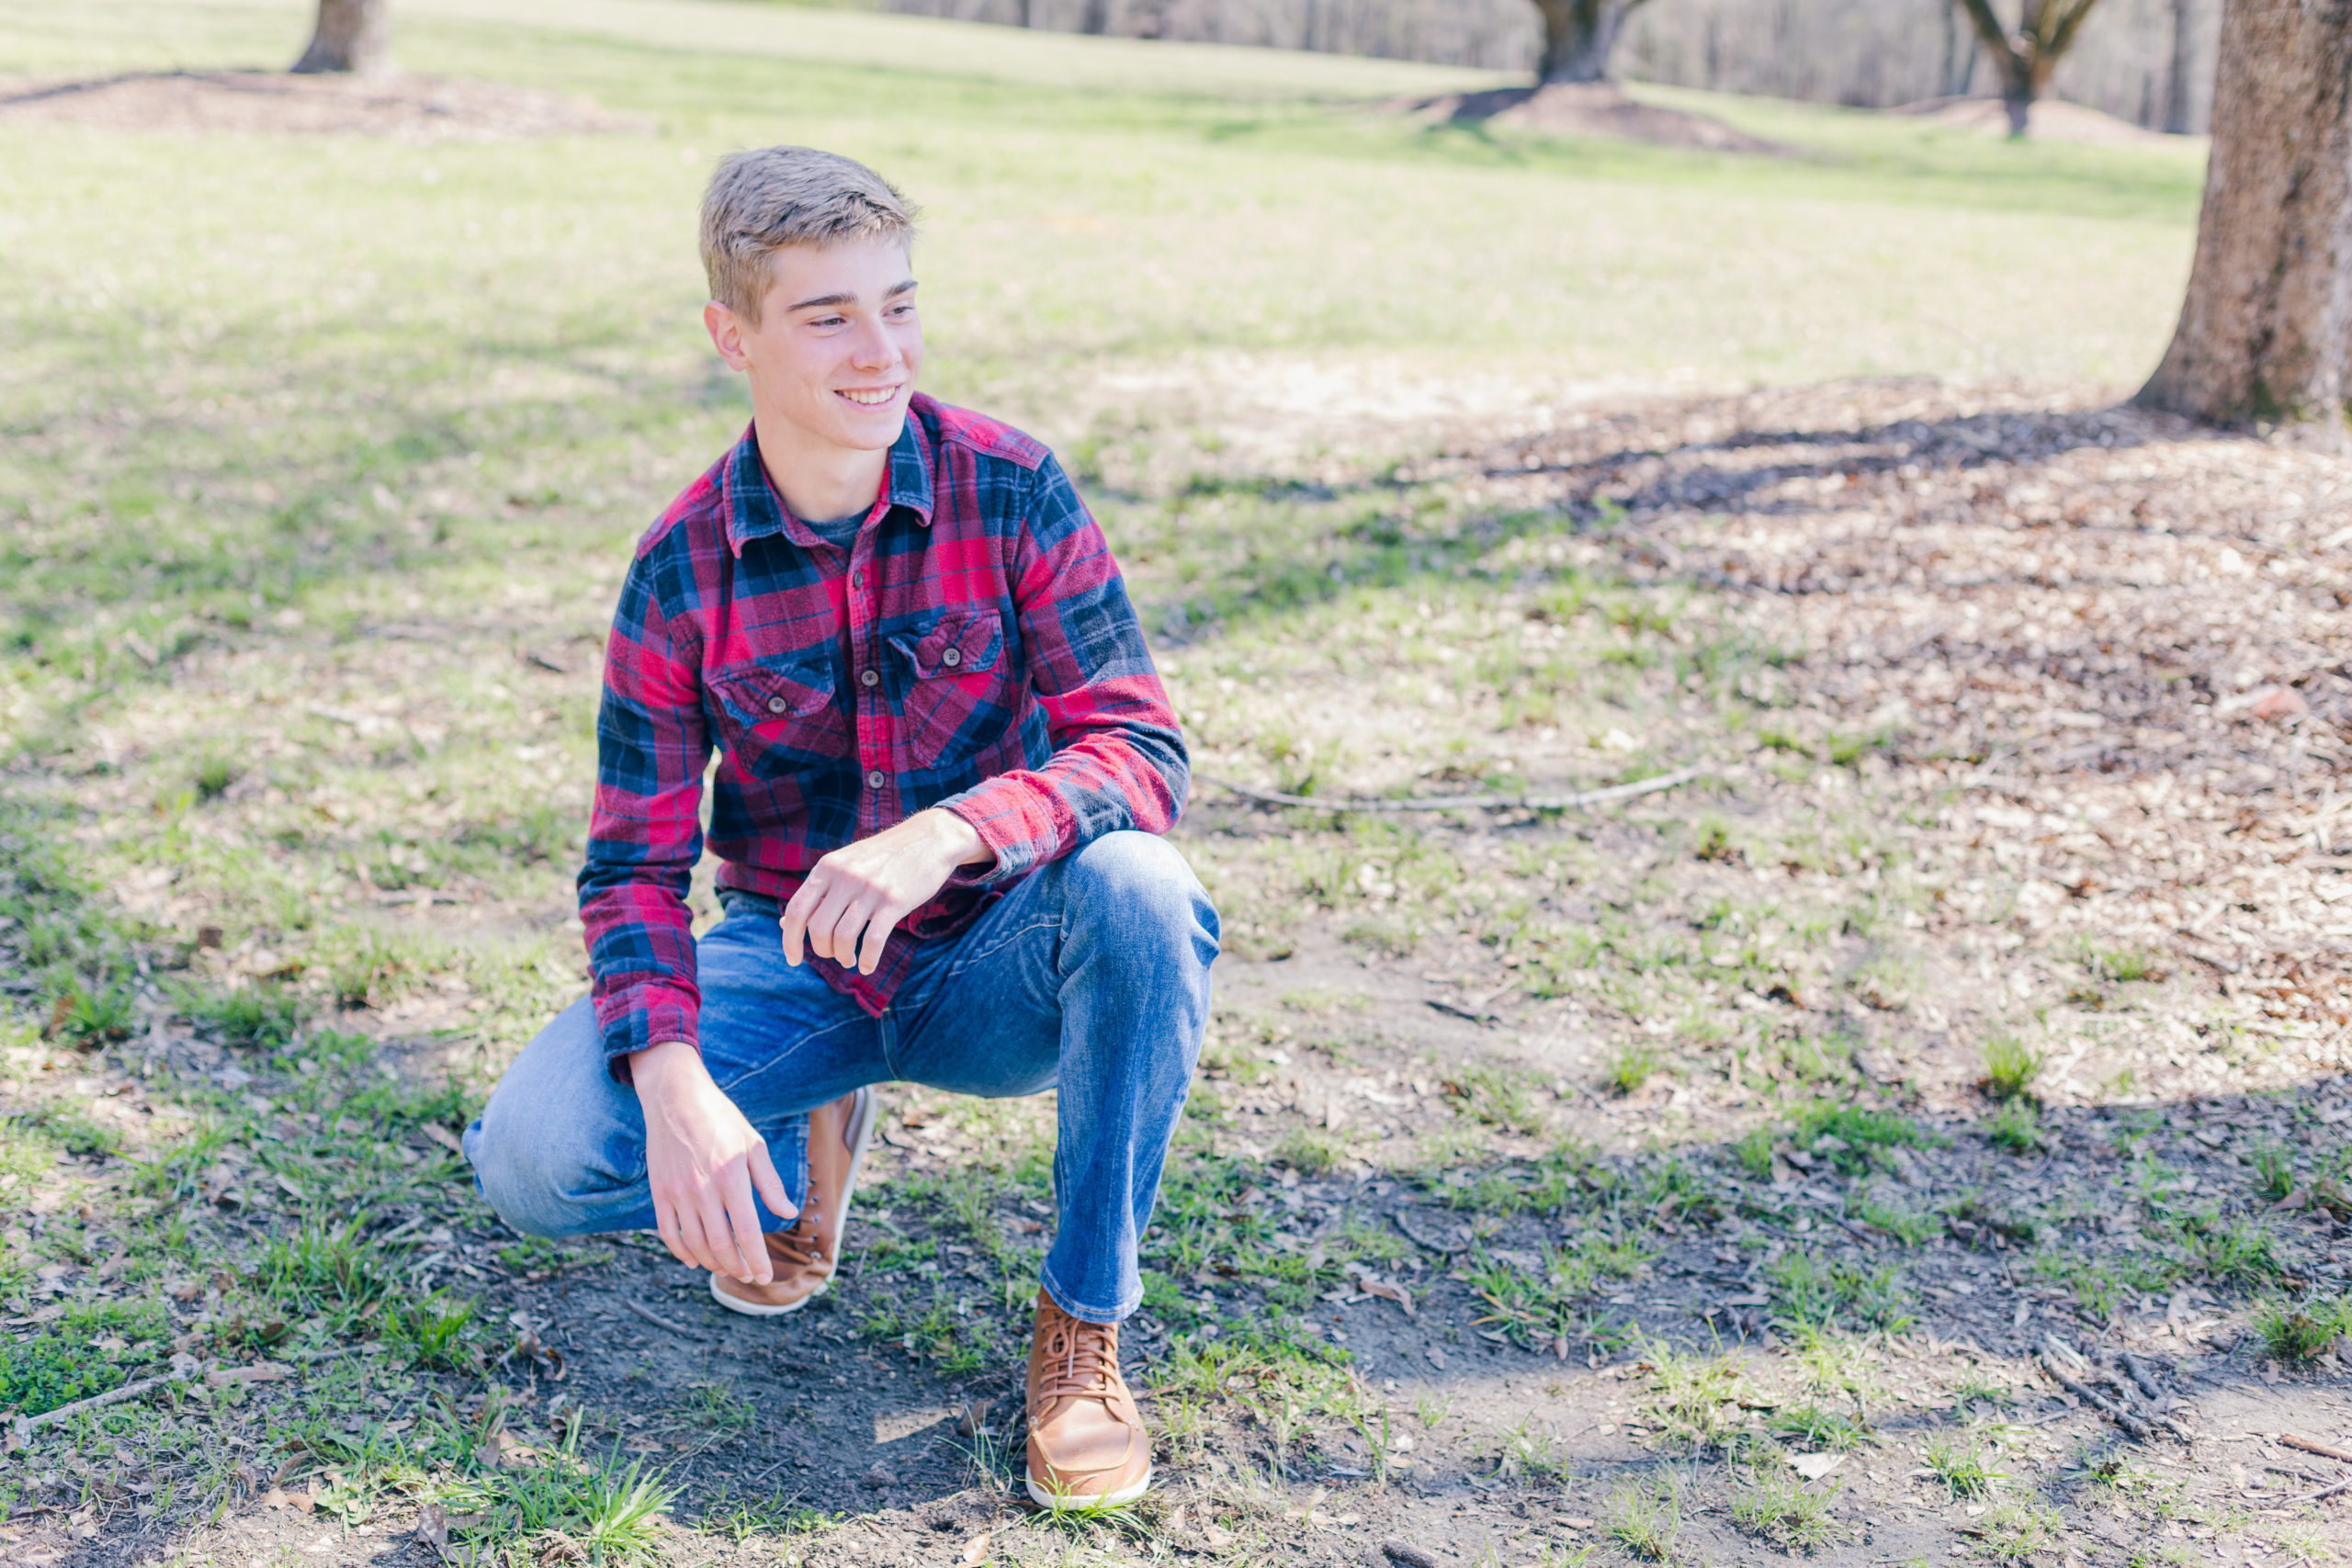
x=2024 y=59
x=351 y=35
x=2266 y=331
x=1579 y=36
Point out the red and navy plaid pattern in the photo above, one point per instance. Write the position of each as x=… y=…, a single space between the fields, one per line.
x=972 y=649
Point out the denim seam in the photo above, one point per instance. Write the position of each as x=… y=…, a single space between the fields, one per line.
x=753 y=1075
x=1005 y=939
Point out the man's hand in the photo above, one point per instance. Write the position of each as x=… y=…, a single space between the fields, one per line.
x=853 y=897
x=702 y=1160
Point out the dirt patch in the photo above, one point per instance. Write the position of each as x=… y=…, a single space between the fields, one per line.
x=1585 y=109
x=406 y=107
x=2052 y=121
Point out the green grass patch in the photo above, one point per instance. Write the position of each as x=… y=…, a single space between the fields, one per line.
x=85 y=1351
x=1816 y=1293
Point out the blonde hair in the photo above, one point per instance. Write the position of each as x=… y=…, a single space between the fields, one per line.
x=761 y=201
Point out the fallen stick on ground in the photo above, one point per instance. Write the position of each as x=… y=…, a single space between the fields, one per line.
x=2099 y=1402
x=27 y=1425
x=2140 y=1374
x=2313 y=1446
x=1462 y=802
x=657 y=1321
x=2315 y=1496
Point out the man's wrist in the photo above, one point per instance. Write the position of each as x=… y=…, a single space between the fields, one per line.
x=659 y=1060
x=964 y=841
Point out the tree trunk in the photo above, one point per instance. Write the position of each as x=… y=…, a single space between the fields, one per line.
x=351 y=35
x=2266 y=331
x=2183 y=18
x=1579 y=36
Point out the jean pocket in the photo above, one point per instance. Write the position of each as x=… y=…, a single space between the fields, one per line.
x=959 y=689
x=777 y=716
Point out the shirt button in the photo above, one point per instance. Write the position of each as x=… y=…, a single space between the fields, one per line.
x=856 y=580
x=871 y=677
x=874 y=780
x=775 y=704
x=952 y=657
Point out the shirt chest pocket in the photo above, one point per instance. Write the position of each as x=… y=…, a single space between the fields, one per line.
x=777 y=716
x=955 y=676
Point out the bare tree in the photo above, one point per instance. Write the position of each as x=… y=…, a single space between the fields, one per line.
x=1579 y=36
x=351 y=35
x=2266 y=331
x=2024 y=59
x=2184 y=61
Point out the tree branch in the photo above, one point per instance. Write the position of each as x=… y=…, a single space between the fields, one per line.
x=1990 y=33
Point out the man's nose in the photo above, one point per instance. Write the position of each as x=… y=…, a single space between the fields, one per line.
x=874 y=349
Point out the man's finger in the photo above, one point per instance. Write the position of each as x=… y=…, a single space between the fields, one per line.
x=854 y=921
x=715 y=1242
x=666 y=1225
x=822 y=937
x=693 y=1251
x=743 y=1219
x=878 y=928
x=769 y=1185
x=795 y=919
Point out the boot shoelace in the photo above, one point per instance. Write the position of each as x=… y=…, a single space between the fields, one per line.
x=802 y=1246
x=1081 y=1361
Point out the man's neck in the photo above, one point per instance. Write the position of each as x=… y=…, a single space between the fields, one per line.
x=818 y=480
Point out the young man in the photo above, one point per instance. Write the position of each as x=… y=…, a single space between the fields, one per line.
x=944 y=759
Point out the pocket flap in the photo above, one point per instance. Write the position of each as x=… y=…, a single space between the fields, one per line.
x=760 y=693
x=965 y=644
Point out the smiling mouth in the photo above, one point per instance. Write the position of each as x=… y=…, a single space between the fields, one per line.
x=870 y=399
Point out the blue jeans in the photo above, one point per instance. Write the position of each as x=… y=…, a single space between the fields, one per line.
x=1091 y=976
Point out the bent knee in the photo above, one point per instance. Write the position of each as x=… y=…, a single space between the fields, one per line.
x=1140 y=871
x=530 y=1172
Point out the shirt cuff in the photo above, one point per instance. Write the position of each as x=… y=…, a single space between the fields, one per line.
x=1015 y=820
x=651 y=1015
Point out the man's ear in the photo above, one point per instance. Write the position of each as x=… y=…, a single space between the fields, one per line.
x=727 y=331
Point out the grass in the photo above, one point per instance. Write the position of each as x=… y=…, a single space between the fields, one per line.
x=2016 y=1127
x=2301 y=1331
x=2010 y=1066
x=1646 y=1520
x=1960 y=1462
x=1816 y=1293
x=1778 y=1506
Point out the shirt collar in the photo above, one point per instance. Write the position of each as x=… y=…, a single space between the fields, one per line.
x=755 y=510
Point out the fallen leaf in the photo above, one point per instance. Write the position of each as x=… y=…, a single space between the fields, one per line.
x=433 y=1528
x=2278 y=702
x=1813 y=1467
x=441 y=1135
x=273 y=1498
x=304 y=1502
x=977 y=1548
x=1575 y=1524
x=973 y=1421
x=1388 y=1293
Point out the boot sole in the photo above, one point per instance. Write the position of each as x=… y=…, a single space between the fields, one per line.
x=1061 y=1501
x=861 y=1133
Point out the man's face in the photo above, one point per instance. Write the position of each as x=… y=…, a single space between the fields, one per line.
x=838 y=344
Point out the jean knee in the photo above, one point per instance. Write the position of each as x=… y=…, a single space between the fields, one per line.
x=525 y=1168
x=1140 y=880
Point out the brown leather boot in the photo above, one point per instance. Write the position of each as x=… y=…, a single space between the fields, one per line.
x=805 y=1257
x=1086 y=1444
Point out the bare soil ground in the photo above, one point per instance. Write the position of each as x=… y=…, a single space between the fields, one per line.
x=2053 y=120
x=1595 y=108
x=1922 y=1137
x=401 y=106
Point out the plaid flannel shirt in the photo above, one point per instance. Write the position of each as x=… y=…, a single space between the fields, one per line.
x=974 y=649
